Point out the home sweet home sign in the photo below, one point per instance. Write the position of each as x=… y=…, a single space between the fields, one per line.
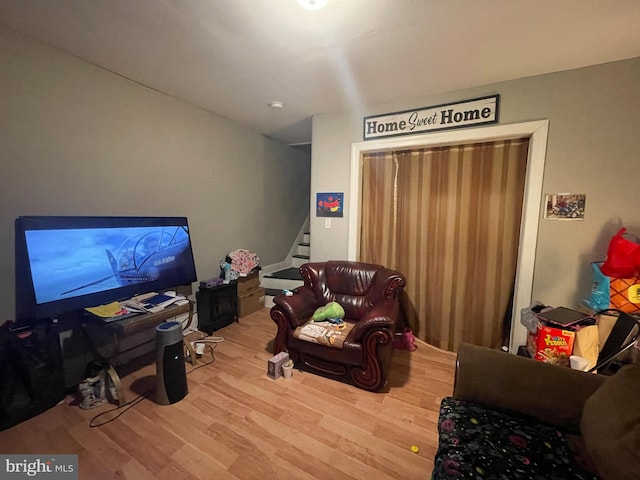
x=476 y=111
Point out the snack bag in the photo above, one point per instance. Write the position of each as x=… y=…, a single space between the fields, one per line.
x=554 y=345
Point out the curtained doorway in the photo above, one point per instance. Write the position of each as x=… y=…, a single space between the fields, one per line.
x=449 y=218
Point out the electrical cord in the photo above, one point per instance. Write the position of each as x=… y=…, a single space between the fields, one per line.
x=128 y=405
x=213 y=358
x=210 y=343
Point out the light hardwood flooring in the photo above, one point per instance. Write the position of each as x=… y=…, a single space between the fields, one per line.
x=236 y=423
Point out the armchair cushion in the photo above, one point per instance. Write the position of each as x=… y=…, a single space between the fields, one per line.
x=325 y=333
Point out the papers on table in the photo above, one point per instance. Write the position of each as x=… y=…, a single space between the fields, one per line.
x=148 y=303
x=113 y=309
x=151 y=302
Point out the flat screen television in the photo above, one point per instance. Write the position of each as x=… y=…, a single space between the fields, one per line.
x=64 y=264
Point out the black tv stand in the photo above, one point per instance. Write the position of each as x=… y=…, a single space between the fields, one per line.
x=127 y=327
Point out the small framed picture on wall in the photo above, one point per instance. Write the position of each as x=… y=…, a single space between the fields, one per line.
x=330 y=204
x=565 y=206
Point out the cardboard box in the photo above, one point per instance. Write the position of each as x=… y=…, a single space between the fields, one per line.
x=250 y=301
x=274 y=364
x=554 y=345
x=249 y=282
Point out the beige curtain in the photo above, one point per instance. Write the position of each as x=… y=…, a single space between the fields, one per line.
x=449 y=219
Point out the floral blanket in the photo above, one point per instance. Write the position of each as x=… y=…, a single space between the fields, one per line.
x=243 y=261
x=324 y=333
x=479 y=443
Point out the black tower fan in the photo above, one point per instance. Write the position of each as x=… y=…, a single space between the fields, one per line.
x=171 y=375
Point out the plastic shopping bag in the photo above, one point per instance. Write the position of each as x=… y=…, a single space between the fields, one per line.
x=612 y=292
x=623 y=256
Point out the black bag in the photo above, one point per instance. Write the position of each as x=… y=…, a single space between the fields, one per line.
x=31 y=371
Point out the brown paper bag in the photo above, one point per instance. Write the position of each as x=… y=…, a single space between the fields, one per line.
x=605 y=325
x=587 y=344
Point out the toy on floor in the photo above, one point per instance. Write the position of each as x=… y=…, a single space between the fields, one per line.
x=404 y=340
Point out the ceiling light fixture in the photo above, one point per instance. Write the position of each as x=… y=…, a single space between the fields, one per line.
x=276 y=105
x=313 y=4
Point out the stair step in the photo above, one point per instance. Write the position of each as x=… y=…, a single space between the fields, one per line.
x=281 y=283
x=289 y=278
x=286 y=274
x=272 y=292
x=299 y=260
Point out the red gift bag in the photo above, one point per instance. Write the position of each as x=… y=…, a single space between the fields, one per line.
x=623 y=256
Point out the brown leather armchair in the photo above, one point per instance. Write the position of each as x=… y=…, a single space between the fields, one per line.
x=369 y=295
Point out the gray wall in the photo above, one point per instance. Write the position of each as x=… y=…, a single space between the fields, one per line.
x=593 y=148
x=78 y=140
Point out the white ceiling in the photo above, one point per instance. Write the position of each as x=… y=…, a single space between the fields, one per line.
x=232 y=57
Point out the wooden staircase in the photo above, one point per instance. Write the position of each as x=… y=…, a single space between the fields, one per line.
x=289 y=277
x=304 y=251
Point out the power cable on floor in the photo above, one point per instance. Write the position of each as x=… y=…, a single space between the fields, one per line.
x=210 y=343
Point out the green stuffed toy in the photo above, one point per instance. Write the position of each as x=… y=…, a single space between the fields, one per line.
x=332 y=310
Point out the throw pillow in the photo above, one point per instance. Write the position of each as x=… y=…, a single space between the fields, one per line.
x=610 y=426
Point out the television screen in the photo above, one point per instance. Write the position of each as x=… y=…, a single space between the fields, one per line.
x=69 y=263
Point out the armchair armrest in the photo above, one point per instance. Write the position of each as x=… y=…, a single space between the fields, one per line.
x=550 y=393
x=299 y=307
x=381 y=315
x=290 y=312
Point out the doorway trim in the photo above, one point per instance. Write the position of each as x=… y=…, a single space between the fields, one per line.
x=537 y=132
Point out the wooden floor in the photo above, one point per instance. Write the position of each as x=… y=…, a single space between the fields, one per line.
x=237 y=423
